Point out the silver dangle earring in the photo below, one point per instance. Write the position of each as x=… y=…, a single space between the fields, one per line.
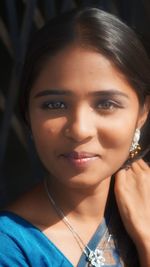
x=135 y=147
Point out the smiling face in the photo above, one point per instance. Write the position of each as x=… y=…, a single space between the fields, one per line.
x=83 y=115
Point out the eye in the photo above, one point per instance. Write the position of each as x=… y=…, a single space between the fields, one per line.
x=54 y=105
x=107 y=105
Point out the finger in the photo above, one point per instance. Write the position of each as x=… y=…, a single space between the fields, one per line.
x=140 y=165
x=121 y=181
x=143 y=164
x=125 y=177
x=120 y=175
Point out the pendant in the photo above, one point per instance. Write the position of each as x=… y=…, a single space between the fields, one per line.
x=96 y=258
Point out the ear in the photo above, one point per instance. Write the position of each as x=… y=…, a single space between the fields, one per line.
x=143 y=114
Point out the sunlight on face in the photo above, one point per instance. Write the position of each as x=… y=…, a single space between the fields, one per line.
x=83 y=114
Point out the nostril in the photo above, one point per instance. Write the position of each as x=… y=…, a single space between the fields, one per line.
x=79 y=133
x=81 y=123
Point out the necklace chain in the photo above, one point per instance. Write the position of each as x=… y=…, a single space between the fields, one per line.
x=95 y=258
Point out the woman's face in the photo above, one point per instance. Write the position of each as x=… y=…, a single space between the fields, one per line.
x=83 y=115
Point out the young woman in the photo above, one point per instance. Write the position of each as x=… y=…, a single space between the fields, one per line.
x=85 y=99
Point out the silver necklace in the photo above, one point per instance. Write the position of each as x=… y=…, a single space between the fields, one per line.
x=94 y=258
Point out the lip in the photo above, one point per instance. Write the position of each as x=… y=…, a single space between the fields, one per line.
x=79 y=155
x=80 y=159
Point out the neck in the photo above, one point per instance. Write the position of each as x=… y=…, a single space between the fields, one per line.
x=84 y=204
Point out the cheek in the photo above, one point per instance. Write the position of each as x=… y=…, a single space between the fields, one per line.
x=47 y=132
x=117 y=132
x=115 y=140
x=45 y=138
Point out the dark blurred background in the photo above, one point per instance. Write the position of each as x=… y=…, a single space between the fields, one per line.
x=19 y=167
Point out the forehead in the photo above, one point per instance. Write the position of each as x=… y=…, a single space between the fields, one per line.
x=80 y=70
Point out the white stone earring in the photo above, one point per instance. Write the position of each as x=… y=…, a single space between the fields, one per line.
x=135 y=147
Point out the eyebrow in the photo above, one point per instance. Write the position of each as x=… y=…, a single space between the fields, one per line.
x=109 y=93
x=53 y=92
x=104 y=93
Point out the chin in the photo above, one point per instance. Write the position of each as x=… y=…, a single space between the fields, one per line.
x=81 y=181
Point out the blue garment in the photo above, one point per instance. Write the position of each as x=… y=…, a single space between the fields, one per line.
x=22 y=244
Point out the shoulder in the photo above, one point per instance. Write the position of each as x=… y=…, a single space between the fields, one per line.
x=22 y=244
x=17 y=228
x=19 y=241
x=10 y=251
x=14 y=228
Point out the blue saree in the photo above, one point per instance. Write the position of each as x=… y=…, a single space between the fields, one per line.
x=22 y=244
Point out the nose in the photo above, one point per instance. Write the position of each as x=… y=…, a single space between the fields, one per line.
x=80 y=126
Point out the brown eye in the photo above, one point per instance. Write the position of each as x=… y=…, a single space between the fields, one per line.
x=54 y=105
x=107 y=105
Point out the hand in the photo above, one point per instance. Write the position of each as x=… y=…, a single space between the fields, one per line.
x=132 y=191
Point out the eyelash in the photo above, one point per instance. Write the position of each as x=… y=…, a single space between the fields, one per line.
x=108 y=105
x=102 y=105
x=54 y=105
